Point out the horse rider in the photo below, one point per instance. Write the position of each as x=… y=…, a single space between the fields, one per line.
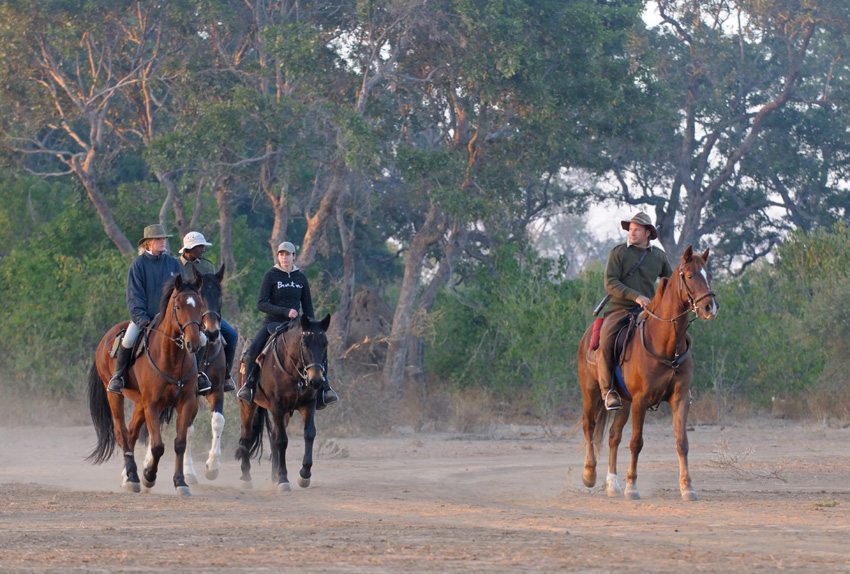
x=283 y=293
x=630 y=275
x=192 y=258
x=146 y=279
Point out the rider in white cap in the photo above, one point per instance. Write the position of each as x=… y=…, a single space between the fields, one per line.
x=192 y=257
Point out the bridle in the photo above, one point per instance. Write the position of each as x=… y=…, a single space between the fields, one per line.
x=690 y=307
x=179 y=341
x=693 y=301
x=303 y=371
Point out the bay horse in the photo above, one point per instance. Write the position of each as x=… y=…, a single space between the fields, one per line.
x=657 y=366
x=292 y=370
x=164 y=378
x=212 y=362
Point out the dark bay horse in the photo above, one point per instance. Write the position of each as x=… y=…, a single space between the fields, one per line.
x=163 y=377
x=657 y=366
x=212 y=362
x=291 y=375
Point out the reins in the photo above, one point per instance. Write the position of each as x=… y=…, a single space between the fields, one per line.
x=690 y=307
x=179 y=342
x=301 y=373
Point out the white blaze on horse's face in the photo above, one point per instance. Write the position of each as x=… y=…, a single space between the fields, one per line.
x=710 y=310
x=191 y=301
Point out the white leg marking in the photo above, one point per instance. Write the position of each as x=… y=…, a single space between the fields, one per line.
x=214 y=459
x=188 y=464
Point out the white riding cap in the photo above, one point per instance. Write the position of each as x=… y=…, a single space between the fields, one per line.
x=192 y=240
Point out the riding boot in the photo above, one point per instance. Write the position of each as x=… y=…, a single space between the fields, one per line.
x=326 y=395
x=246 y=393
x=610 y=396
x=204 y=383
x=228 y=380
x=116 y=383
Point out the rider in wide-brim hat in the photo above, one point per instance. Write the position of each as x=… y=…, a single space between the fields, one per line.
x=155 y=231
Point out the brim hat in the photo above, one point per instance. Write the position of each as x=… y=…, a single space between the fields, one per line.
x=643 y=219
x=286 y=246
x=192 y=240
x=155 y=231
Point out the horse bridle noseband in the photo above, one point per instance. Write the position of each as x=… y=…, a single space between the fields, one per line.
x=691 y=307
x=179 y=341
x=302 y=373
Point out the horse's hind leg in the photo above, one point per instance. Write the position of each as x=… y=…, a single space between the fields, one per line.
x=589 y=421
x=615 y=436
x=129 y=474
x=213 y=464
x=679 y=402
x=308 y=414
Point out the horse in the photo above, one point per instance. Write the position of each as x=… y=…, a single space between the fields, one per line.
x=212 y=362
x=292 y=370
x=657 y=366
x=165 y=378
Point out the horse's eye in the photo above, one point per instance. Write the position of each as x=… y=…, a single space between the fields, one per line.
x=690 y=275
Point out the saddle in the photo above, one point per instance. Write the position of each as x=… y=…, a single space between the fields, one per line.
x=273 y=329
x=621 y=339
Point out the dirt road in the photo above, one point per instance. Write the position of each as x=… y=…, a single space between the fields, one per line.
x=774 y=496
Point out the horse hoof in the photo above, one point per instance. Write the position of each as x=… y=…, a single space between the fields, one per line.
x=191 y=478
x=283 y=487
x=631 y=494
x=130 y=486
x=303 y=482
x=147 y=484
x=211 y=474
x=588 y=478
x=612 y=486
x=183 y=491
x=247 y=484
x=689 y=495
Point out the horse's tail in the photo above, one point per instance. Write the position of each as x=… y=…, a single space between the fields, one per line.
x=599 y=428
x=261 y=419
x=101 y=417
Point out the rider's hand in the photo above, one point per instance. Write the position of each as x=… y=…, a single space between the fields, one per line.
x=642 y=300
x=293 y=313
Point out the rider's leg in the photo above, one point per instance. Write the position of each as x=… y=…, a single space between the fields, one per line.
x=125 y=349
x=605 y=359
x=252 y=369
x=326 y=396
x=230 y=337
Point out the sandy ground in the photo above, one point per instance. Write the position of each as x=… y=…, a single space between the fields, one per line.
x=774 y=496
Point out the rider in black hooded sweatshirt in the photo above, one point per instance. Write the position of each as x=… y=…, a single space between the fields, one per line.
x=284 y=292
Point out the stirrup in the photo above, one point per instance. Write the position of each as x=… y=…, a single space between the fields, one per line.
x=228 y=384
x=204 y=384
x=246 y=394
x=612 y=400
x=325 y=398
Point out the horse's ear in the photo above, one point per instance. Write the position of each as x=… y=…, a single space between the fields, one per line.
x=305 y=322
x=178 y=281
x=220 y=273
x=198 y=279
x=705 y=255
x=688 y=254
x=326 y=322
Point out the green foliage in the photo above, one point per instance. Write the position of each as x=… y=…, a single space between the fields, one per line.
x=61 y=291
x=516 y=329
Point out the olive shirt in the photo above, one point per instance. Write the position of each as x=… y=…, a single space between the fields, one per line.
x=622 y=258
x=202 y=265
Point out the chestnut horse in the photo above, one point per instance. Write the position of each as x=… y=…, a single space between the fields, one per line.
x=164 y=376
x=657 y=366
x=212 y=362
x=291 y=375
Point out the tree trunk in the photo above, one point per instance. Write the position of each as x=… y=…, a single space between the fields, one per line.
x=104 y=212
x=342 y=317
x=316 y=223
x=225 y=225
x=432 y=230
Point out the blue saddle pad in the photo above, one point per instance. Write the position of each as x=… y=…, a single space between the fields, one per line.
x=621 y=383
